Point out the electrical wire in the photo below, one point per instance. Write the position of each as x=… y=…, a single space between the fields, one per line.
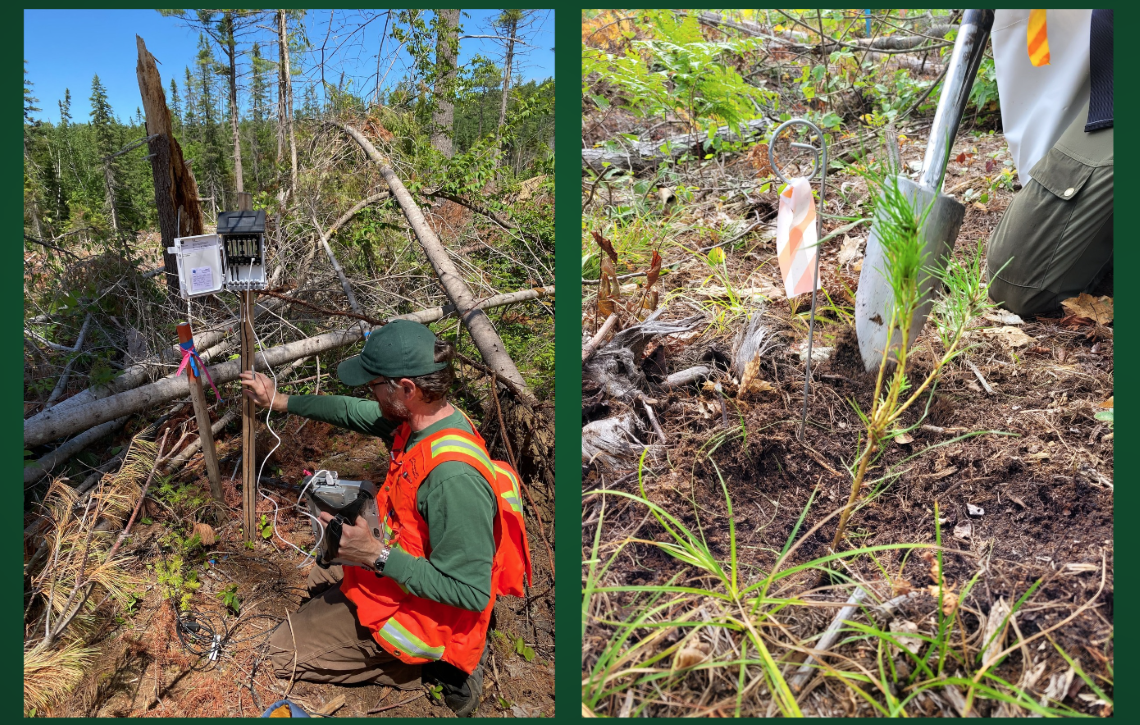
x=261 y=469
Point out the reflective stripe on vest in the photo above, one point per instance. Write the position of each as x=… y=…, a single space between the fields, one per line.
x=511 y=497
x=458 y=444
x=402 y=640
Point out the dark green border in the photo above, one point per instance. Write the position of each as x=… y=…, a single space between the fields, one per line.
x=568 y=368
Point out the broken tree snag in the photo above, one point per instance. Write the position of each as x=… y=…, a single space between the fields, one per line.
x=642 y=155
x=483 y=333
x=174 y=184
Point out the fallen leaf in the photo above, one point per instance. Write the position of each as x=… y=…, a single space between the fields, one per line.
x=1107 y=403
x=1003 y=317
x=654 y=270
x=1059 y=684
x=963 y=530
x=949 y=598
x=904 y=439
x=850 y=251
x=606 y=245
x=901 y=629
x=205 y=533
x=1010 y=336
x=1094 y=308
x=975 y=511
x=751 y=383
x=1043 y=455
x=694 y=654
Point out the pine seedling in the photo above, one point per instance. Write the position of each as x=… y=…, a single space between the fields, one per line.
x=964 y=298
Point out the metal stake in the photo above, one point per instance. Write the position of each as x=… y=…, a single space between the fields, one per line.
x=819 y=163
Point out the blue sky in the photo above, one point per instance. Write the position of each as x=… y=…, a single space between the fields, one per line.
x=86 y=42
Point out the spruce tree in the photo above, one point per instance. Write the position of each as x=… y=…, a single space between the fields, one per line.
x=175 y=105
x=190 y=119
x=106 y=143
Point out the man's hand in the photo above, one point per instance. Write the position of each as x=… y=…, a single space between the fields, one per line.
x=260 y=389
x=357 y=543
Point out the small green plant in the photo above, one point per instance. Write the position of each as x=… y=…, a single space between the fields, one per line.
x=1106 y=416
x=965 y=298
x=435 y=692
x=523 y=649
x=230 y=598
x=177 y=584
x=265 y=527
x=504 y=703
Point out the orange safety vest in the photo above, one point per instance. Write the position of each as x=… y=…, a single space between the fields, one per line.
x=417 y=630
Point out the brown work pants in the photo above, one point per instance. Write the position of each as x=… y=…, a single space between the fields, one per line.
x=323 y=642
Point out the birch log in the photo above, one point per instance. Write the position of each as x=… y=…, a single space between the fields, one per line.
x=56 y=423
x=483 y=333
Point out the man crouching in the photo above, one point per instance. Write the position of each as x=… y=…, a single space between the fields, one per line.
x=417 y=603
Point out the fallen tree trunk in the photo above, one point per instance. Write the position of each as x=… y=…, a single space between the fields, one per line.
x=35 y=471
x=642 y=155
x=138 y=374
x=483 y=333
x=56 y=423
x=131 y=377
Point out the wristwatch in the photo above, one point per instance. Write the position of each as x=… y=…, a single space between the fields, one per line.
x=381 y=560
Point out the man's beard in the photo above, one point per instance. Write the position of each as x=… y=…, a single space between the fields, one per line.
x=394 y=410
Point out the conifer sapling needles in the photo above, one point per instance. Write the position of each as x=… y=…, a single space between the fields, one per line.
x=964 y=298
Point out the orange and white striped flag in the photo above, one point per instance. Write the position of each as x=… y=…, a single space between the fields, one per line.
x=1037 y=38
x=796 y=237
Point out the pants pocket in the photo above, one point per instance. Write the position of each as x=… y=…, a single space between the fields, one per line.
x=1029 y=236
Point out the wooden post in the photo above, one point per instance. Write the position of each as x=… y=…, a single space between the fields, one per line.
x=202 y=415
x=248 y=413
x=248 y=424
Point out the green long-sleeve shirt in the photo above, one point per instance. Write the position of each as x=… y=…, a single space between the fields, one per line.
x=455 y=500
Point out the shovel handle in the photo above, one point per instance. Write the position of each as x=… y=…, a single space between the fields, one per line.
x=969 y=48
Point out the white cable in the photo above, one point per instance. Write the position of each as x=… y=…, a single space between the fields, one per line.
x=257 y=481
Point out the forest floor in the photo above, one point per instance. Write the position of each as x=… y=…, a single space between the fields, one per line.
x=144 y=670
x=1039 y=471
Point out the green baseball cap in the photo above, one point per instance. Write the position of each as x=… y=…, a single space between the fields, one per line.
x=400 y=349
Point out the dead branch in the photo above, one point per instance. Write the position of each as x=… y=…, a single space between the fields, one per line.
x=592 y=346
x=478 y=324
x=46 y=464
x=642 y=155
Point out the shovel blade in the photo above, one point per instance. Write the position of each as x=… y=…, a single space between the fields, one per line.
x=874 y=298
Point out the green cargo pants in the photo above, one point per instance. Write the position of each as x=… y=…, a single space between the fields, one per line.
x=1055 y=239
